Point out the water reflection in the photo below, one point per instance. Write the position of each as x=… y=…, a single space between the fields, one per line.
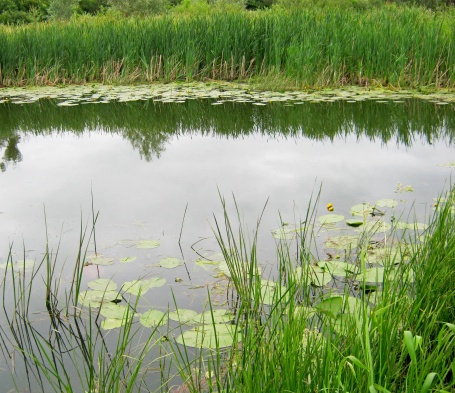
x=150 y=125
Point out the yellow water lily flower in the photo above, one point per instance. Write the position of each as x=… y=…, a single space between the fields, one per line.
x=330 y=207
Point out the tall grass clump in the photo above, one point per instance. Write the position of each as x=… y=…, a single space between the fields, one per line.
x=395 y=334
x=61 y=346
x=310 y=46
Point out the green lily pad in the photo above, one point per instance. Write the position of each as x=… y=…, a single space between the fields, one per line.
x=223 y=267
x=361 y=209
x=331 y=306
x=153 y=318
x=417 y=226
x=387 y=203
x=209 y=336
x=338 y=268
x=170 y=263
x=352 y=222
x=112 y=323
x=128 y=259
x=19 y=266
x=284 y=233
x=330 y=219
x=343 y=242
x=376 y=226
x=114 y=311
x=147 y=244
x=317 y=276
x=184 y=316
x=100 y=260
x=102 y=284
x=448 y=164
x=94 y=298
x=137 y=287
x=271 y=292
x=215 y=316
x=374 y=274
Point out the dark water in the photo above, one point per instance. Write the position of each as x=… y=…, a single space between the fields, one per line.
x=146 y=163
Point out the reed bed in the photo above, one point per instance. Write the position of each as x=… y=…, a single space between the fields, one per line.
x=398 y=336
x=390 y=45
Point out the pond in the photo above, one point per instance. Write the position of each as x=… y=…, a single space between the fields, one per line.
x=153 y=165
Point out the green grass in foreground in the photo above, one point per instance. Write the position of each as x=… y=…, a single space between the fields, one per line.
x=297 y=335
x=314 y=47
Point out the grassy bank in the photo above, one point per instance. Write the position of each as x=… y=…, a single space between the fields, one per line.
x=376 y=315
x=313 y=47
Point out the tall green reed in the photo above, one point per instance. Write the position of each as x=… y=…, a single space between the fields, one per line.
x=391 y=45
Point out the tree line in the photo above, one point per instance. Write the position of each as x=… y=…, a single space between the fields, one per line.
x=13 y=12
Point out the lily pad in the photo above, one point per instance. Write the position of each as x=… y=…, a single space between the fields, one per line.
x=147 y=244
x=269 y=291
x=112 y=323
x=331 y=306
x=170 y=263
x=137 y=287
x=352 y=222
x=284 y=233
x=223 y=267
x=374 y=274
x=184 y=316
x=100 y=260
x=102 y=284
x=361 y=209
x=114 y=311
x=387 y=203
x=19 y=266
x=153 y=318
x=376 y=226
x=338 y=268
x=317 y=276
x=215 y=316
x=343 y=242
x=94 y=298
x=330 y=219
x=128 y=259
x=210 y=336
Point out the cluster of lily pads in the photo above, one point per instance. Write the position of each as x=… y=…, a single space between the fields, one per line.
x=220 y=93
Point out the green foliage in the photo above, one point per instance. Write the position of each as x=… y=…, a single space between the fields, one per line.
x=62 y=9
x=92 y=6
x=139 y=7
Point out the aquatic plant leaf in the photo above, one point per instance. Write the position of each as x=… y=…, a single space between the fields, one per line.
x=113 y=311
x=387 y=203
x=374 y=274
x=102 y=284
x=338 y=268
x=100 y=260
x=331 y=306
x=318 y=276
x=184 y=316
x=18 y=266
x=215 y=316
x=153 y=318
x=417 y=226
x=330 y=219
x=352 y=222
x=342 y=242
x=170 y=263
x=376 y=226
x=147 y=244
x=209 y=336
x=361 y=209
x=284 y=233
x=271 y=292
x=128 y=259
x=137 y=287
x=354 y=305
x=223 y=267
x=312 y=339
x=94 y=298
x=448 y=164
x=112 y=323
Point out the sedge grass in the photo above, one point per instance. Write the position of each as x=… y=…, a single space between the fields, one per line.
x=311 y=47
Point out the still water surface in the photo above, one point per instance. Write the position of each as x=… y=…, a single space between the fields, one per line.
x=146 y=163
